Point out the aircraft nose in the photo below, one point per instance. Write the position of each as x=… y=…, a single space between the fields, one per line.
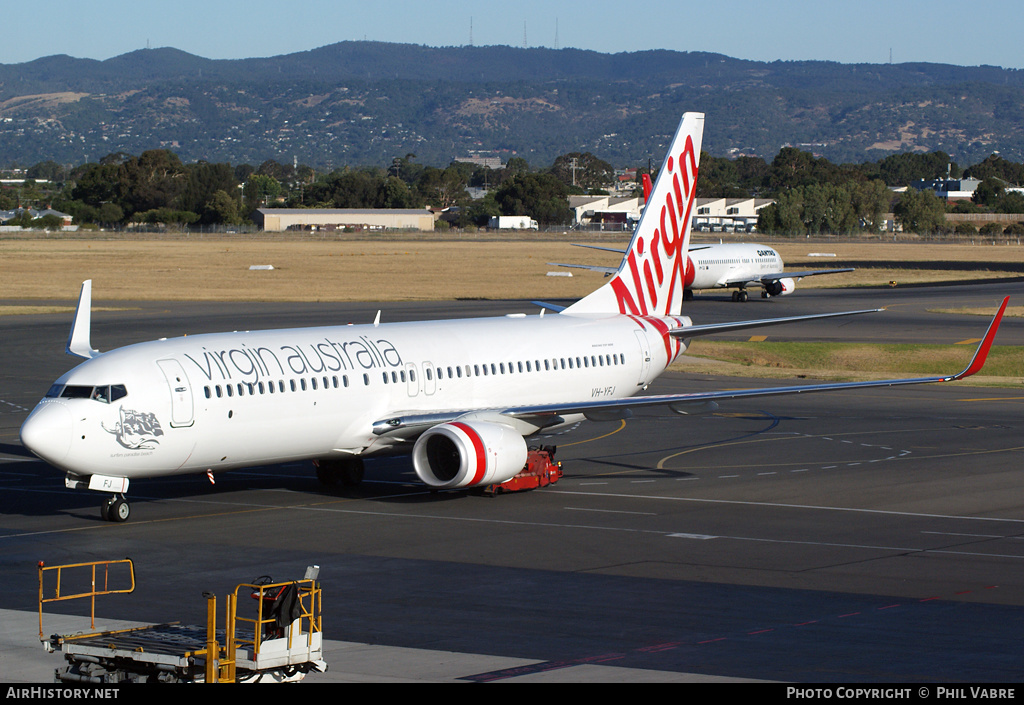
x=47 y=432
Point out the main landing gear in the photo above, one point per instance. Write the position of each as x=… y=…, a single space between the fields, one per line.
x=740 y=295
x=115 y=509
x=347 y=472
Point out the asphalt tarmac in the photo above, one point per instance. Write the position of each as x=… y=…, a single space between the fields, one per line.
x=866 y=536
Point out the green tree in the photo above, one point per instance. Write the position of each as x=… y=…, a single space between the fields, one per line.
x=995 y=166
x=583 y=170
x=260 y=189
x=543 y=197
x=920 y=211
x=906 y=168
x=202 y=181
x=989 y=192
x=442 y=187
x=221 y=208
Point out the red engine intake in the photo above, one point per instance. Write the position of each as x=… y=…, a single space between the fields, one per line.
x=467 y=454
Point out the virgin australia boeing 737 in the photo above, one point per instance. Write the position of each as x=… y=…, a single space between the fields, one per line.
x=463 y=395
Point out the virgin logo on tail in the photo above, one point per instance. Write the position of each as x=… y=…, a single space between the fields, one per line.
x=655 y=270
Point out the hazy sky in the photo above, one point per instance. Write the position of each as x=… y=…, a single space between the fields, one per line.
x=865 y=31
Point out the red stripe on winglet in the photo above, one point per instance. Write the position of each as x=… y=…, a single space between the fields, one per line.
x=982 y=353
x=478 y=448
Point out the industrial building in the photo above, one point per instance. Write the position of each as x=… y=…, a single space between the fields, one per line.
x=285 y=219
x=727 y=214
x=709 y=214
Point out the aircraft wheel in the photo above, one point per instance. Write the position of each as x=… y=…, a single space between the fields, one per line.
x=116 y=509
x=352 y=472
x=327 y=473
x=742 y=296
x=347 y=472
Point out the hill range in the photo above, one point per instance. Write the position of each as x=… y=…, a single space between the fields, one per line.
x=366 y=103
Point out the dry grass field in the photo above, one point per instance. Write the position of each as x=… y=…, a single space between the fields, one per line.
x=415 y=268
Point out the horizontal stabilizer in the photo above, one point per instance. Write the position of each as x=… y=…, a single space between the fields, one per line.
x=549 y=306
x=592 y=267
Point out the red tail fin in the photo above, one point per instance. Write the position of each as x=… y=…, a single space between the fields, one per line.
x=655 y=269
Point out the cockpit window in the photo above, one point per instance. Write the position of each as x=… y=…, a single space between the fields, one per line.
x=76 y=391
x=103 y=393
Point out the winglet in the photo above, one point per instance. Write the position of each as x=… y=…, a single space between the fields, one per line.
x=78 y=341
x=981 y=354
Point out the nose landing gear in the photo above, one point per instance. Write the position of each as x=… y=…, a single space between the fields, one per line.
x=115 y=509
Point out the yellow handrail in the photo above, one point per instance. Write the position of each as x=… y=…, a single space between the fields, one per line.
x=308 y=599
x=92 y=593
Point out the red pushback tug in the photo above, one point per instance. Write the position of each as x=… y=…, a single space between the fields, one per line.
x=540 y=470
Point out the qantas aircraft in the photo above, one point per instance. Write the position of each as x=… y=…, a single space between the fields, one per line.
x=729 y=266
x=462 y=395
x=732 y=266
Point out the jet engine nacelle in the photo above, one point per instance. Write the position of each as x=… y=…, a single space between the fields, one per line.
x=781 y=287
x=468 y=453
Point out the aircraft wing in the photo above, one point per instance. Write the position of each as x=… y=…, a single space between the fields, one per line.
x=541 y=415
x=769 y=278
x=681 y=402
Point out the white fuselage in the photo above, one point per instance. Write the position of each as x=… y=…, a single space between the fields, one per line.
x=719 y=266
x=227 y=400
